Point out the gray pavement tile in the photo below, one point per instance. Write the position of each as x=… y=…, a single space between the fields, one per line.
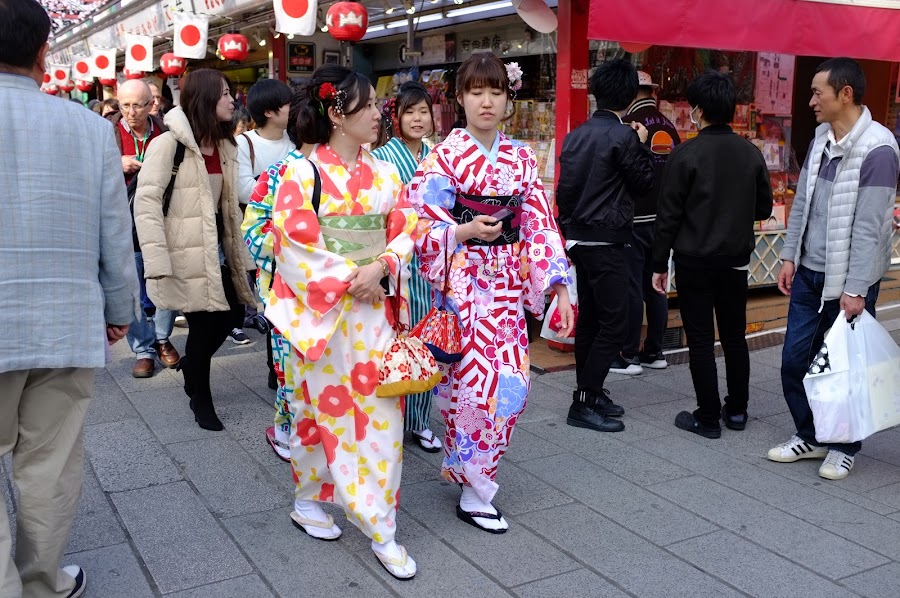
x=217 y=466
x=525 y=446
x=111 y=572
x=120 y=370
x=857 y=524
x=770 y=356
x=759 y=372
x=638 y=392
x=782 y=421
x=246 y=421
x=125 y=456
x=434 y=558
x=516 y=557
x=868 y=474
x=291 y=561
x=790 y=537
x=250 y=369
x=884 y=446
x=109 y=403
x=415 y=468
x=627 y=504
x=248 y=586
x=521 y=492
x=95 y=524
x=881 y=582
x=889 y=495
x=772 y=385
x=634 y=564
x=180 y=542
x=534 y=413
x=582 y=583
x=549 y=396
x=754 y=570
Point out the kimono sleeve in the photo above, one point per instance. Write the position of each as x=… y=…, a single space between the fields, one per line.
x=309 y=297
x=432 y=192
x=545 y=255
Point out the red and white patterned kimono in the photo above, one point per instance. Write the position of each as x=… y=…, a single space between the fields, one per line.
x=346 y=443
x=481 y=396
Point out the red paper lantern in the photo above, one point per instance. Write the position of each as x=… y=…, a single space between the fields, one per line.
x=69 y=86
x=51 y=89
x=234 y=46
x=129 y=74
x=84 y=85
x=347 y=21
x=633 y=48
x=108 y=82
x=172 y=65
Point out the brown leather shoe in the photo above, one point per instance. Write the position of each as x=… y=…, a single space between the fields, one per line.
x=143 y=368
x=167 y=353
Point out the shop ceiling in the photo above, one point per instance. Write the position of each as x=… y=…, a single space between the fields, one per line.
x=386 y=18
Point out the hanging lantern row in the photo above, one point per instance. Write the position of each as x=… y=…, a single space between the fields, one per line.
x=347 y=21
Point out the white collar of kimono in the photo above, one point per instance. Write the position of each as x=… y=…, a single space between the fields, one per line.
x=491 y=154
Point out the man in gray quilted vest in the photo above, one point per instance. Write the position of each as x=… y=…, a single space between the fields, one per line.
x=838 y=243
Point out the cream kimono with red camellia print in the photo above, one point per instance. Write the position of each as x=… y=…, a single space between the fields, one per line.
x=346 y=443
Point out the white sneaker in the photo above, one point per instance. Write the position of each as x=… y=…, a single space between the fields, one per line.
x=238 y=337
x=77 y=573
x=181 y=322
x=837 y=466
x=795 y=449
x=628 y=367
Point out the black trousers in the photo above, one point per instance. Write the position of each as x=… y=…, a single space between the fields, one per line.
x=640 y=293
x=207 y=330
x=723 y=292
x=602 y=311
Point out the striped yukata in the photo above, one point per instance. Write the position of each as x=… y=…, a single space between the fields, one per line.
x=418 y=406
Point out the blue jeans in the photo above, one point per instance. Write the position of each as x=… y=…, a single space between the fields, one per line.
x=806 y=330
x=145 y=332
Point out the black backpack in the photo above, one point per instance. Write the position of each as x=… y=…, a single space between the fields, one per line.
x=131 y=191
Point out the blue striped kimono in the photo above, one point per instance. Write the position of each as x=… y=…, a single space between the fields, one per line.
x=418 y=407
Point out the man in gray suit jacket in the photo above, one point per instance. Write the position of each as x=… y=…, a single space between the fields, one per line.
x=68 y=288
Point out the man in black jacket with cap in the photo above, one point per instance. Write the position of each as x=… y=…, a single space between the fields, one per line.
x=603 y=165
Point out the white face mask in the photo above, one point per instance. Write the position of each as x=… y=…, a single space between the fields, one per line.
x=691 y=116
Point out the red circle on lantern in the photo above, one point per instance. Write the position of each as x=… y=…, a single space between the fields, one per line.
x=60 y=74
x=295 y=8
x=138 y=52
x=81 y=66
x=102 y=61
x=633 y=47
x=46 y=78
x=190 y=35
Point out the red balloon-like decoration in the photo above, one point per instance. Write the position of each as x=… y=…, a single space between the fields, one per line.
x=84 y=85
x=234 y=46
x=68 y=86
x=633 y=48
x=347 y=21
x=108 y=82
x=172 y=65
x=129 y=74
x=50 y=89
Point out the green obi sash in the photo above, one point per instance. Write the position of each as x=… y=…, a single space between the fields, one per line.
x=357 y=238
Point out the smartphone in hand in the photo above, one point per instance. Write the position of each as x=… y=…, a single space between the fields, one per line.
x=505 y=215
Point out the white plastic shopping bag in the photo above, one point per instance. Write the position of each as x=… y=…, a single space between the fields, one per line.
x=551 y=317
x=853 y=384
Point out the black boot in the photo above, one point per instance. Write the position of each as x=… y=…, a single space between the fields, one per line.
x=205 y=414
x=188 y=386
x=606 y=406
x=586 y=412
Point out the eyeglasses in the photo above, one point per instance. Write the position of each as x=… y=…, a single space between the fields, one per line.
x=135 y=107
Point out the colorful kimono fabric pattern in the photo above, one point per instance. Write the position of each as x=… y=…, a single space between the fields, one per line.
x=418 y=406
x=257 y=229
x=346 y=444
x=482 y=395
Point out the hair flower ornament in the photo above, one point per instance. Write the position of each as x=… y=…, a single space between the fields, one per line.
x=514 y=74
x=327 y=91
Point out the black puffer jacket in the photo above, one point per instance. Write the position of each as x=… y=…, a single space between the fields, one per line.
x=603 y=164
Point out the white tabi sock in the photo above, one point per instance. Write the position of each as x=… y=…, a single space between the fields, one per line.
x=311 y=510
x=470 y=502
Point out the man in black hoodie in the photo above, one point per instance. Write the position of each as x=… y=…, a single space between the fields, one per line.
x=713 y=188
x=603 y=165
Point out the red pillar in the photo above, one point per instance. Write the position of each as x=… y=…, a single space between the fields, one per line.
x=571 y=68
x=278 y=62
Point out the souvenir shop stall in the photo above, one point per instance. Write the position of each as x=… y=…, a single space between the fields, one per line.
x=772 y=71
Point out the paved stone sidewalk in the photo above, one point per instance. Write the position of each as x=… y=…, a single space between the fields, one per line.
x=172 y=510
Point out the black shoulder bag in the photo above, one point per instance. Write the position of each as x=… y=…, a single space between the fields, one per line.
x=167 y=194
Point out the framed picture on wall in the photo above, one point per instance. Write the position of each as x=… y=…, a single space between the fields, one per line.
x=331 y=57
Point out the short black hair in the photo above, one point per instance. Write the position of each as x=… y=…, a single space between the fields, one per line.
x=24 y=29
x=614 y=84
x=716 y=94
x=240 y=115
x=265 y=95
x=843 y=72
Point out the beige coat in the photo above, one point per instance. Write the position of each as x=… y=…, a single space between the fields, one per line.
x=181 y=257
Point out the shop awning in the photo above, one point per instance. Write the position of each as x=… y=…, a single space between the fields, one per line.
x=855 y=28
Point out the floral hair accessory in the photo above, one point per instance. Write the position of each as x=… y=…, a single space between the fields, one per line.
x=514 y=74
x=389 y=114
x=327 y=92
